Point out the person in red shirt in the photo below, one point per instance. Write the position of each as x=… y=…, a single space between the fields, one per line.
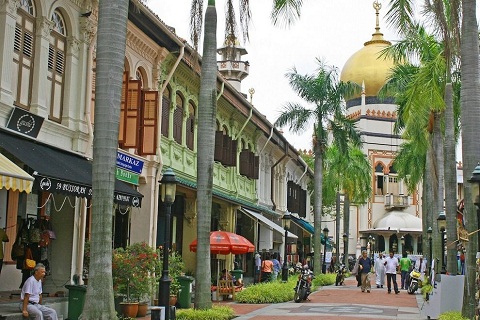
x=267 y=268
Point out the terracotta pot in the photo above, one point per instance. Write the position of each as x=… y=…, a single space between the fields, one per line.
x=142 y=309
x=173 y=300
x=129 y=309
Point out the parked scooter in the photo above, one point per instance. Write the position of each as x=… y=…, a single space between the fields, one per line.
x=414 y=281
x=304 y=283
x=341 y=271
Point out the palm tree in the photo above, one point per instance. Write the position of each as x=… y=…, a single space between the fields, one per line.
x=350 y=173
x=326 y=93
x=112 y=30
x=206 y=117
x=444 y=15
x=470 y=100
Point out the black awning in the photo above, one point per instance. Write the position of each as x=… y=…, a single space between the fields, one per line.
x=58 y=171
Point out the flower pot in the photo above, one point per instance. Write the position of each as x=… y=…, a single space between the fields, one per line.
x=173 y=300
x=142 y=309
x=129 y=309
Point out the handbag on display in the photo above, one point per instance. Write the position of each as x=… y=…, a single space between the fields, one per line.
x=29 y=263
x=18 y=249
x=50 y=231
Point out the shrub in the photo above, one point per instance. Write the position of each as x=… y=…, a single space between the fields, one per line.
x=215 y=313
x=451 y=315
x=324 y=279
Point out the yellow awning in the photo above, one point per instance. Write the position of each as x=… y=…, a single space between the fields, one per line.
x=13 y=177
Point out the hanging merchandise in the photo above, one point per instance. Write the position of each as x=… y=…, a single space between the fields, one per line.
x=18 y=248
x=34 y=231
x=29 y=262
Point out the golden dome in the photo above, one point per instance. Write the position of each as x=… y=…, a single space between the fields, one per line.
x=367 y=66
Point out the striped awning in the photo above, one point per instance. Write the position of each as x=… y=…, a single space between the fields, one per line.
x=13 y=177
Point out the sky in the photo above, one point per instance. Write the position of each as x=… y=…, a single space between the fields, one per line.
x=329 y=30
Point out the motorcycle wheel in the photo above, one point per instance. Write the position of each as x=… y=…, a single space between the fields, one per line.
x=412 y=288
x=299 y=295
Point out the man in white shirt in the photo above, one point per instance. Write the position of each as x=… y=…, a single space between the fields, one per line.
x=258 y=265
x=421 y=266
x=31 y=296
x=391 y=268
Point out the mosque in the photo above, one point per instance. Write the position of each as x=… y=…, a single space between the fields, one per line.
x=391 y=218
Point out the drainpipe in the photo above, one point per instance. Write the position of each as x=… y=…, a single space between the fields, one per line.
x=219 y=95
x=245 y=124
x=159 y=136
x=304 y=172
x=274 y=207
x=269 y=137
x=88 y=95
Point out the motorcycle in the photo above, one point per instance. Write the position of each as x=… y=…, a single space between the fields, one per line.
x=304 y=283
x=340 y=278
x=414 y=281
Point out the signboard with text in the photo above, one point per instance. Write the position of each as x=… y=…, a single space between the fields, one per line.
x=128 y=162
x=24 y=122
x=127 y=176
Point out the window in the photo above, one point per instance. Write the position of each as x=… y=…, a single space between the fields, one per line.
x=190 y=126
x=379 y=190
x=56 y=67
x=225 y=149
x=23 y=54
x=178 y=119
x=249 y=164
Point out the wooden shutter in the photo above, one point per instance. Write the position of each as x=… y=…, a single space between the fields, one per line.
x=123 y=99
x=227 y=150
x=255 y=167
x=132 y=120
x=244 y=162
x=148 y=123
x=217 y=156
x=165 y=115
x=177 y=124
x=233 y=153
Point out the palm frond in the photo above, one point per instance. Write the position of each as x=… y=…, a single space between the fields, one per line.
x=400 y=15
x=286 y=12
x=196 y=22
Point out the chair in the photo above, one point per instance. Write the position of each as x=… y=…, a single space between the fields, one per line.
x=226 y=288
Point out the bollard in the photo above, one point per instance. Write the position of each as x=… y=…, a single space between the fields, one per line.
x=173 y=313
x=157 y=313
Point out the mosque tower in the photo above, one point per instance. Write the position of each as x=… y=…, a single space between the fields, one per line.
x=230 y=65
x=390 y=212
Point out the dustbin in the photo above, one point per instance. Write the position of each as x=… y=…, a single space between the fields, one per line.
x=185 y=294
x=76 y=300
x=238 y=274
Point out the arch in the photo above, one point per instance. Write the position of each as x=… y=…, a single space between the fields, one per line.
x=141 y=74
x=144 y=68
x=379 y=167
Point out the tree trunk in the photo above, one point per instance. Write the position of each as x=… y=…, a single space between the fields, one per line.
x=470 y=101
x=317 y=207
x=450 y=181
x=112 y=30
x=207 y=109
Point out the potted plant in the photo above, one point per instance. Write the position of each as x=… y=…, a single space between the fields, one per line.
x=134 y=271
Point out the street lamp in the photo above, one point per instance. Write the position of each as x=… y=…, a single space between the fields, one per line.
x=402 y=241
x=442 y=224
x=475 y=181
x=430 y=257
x=345 y=250
x=168 y=186
x=324 y=265
x=286 y=224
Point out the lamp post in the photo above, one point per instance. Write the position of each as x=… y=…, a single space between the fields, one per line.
x=430 y=257
x=442 y=224
x=324 y=265
x=475 y=181
x=345 y=250
x=286 y=224
x=168 y=186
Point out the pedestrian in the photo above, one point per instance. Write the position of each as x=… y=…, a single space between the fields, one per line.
x=405 y=266
x=3 y=238
x=365 y=265
x=31 y=296
x=356 y=272
x=258 y=266
x=421 y=266
x=391 y=268
x=267 y=269
x=276 y=267
x=380 y=271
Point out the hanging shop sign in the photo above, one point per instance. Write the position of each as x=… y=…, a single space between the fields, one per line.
x=24 y=122
x=127 y=176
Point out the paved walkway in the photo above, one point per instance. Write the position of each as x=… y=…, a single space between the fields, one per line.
x=343 y=302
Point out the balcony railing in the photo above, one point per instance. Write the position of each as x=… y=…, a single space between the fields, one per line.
x=396 y=201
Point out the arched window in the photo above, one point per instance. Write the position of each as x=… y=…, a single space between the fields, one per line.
x=379 y=177
x=56 y=67
x=190 y=127
x=178 y=119
x=166 y=100
x=23 y=54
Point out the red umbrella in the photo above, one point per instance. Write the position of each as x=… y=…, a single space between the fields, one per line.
x=223 y=242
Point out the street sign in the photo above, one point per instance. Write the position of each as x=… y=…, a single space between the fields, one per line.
x=127 y=176
x=127 y=162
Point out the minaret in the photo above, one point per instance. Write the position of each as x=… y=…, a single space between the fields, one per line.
x=230 y=64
